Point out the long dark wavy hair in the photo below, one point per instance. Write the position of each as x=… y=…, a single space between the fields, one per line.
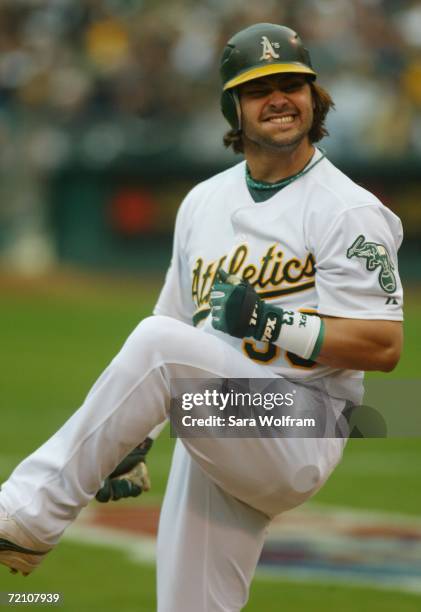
x=322 y=105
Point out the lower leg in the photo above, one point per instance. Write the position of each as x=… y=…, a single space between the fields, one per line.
x=48 y=489
x=209 y=543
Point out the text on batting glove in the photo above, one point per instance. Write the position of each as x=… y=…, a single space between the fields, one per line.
x=237 y=310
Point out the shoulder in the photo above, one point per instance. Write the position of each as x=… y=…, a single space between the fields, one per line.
x=226 y=178
x=337 y=204
x=338 y=190
x=207 y=194
x=335 y=195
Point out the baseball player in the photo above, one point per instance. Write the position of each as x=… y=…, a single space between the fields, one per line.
x=282 y=267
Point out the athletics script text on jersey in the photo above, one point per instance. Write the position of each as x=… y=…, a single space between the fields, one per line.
x=273 y=277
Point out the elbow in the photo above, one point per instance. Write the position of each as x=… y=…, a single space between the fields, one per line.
x=390 y=352
x=389 y=358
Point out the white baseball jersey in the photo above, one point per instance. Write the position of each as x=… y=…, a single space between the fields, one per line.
x=322 y=244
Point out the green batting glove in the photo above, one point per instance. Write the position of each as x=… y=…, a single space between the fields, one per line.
x=237 y=310
x=130 y=478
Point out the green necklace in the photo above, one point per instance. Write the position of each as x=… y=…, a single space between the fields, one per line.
x=263 y=186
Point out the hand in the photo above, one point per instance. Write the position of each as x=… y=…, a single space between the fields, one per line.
x=130 y=478
x=237 y=310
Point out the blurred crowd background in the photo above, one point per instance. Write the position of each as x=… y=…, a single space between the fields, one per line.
x=109 y=111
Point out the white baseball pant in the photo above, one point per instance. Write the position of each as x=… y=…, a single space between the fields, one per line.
x=221 y=493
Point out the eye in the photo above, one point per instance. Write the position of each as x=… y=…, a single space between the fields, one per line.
x=294 y=86
x=256 y=92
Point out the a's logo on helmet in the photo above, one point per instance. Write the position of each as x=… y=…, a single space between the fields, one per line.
x=269 y=49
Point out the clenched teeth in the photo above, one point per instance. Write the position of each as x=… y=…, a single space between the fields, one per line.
x=282 y=120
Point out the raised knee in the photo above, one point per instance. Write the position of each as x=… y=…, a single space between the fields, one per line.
x=307 y=480
x=150 y=333
x=153 y=327
x=151 y=338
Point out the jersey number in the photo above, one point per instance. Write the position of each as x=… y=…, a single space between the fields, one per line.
x=270 y=352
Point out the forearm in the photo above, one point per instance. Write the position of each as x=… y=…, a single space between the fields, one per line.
x=361 y=345
x=358 y=344
x=353 y=344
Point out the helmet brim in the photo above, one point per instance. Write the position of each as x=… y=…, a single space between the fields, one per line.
x=261 y=71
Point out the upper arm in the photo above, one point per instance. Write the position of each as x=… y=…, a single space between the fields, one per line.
x=357 y=273
x=359 y=290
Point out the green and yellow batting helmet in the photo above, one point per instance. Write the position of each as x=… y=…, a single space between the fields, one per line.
x=259 y=50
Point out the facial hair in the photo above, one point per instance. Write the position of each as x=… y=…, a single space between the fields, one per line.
x=268 y=142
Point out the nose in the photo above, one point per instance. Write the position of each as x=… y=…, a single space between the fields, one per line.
x=277 y=98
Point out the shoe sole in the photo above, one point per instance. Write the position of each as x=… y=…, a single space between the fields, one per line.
x=18 y=558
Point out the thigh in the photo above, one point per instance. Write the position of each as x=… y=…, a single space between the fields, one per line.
x=161 y=341
x=271 y=475
x=209 y=543
x=268 y=474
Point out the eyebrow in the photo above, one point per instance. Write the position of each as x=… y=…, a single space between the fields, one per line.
x=281 y=81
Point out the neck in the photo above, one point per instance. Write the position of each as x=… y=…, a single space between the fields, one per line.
x=272 y=166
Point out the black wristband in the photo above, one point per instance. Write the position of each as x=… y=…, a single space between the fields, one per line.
x=270 y=323
x=244 y=326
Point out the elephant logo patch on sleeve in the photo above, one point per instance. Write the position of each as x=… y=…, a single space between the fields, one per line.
x=376 y=256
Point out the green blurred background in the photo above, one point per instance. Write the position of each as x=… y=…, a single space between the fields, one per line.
x=108 y=114
x=58 y=333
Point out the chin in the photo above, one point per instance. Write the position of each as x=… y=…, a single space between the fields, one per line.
x=290 y=142
x=280 y=141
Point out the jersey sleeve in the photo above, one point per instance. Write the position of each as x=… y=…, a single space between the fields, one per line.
x=357 y=266
x=175 y=299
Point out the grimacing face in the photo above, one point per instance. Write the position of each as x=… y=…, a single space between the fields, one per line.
x=276 y=111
